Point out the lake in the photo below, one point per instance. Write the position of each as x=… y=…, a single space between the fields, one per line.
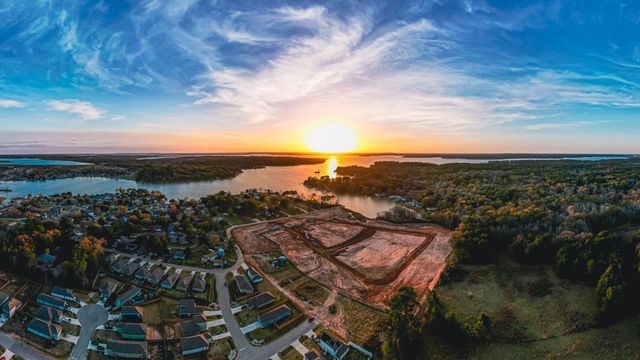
x=38 y=162
x=278 y=178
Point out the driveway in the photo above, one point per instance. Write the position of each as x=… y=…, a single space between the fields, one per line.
x=90 y=316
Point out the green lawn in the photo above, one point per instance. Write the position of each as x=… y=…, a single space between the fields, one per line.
x=532 y=325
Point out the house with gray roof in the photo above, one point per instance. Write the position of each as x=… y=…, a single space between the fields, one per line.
x=193 y=344
x=48 y=314
x=127 y=349
x=45 y=330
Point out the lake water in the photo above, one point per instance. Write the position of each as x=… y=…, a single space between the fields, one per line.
x=35 y=162
x=275 y=178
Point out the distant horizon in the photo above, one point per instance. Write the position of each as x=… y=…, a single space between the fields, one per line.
x=410 y=154
x=402 y=76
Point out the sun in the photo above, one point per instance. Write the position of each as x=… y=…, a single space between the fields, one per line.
x=331 y=138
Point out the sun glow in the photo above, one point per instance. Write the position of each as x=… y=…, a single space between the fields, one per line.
x=331 y=138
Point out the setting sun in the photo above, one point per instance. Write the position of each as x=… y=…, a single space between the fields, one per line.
x=331 y=138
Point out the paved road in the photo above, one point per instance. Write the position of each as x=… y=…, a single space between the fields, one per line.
x=90 y=316
x=20 y=349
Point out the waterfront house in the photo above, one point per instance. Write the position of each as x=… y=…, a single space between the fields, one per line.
x=155 y=277
x=131 y=331
x=194 y=344
x=128 y=296
x=184 y=282
x=45 y=330
x=261 y=301
x=51 y=301
x=169 y=281
x=243 y=285
x=332 y=347
x=48 y=314
x=132 y=313
x=106 y=288
x=127 y=349
x=273 y=316
x=63 y=293
x=10 y=307
x=198 y=284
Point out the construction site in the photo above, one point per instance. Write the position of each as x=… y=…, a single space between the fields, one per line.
x=366 y=260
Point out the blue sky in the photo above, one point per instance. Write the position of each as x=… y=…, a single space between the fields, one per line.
x=201 y=75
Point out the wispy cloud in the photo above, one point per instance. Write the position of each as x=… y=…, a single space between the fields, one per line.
x=9 y=103
x=84 y=109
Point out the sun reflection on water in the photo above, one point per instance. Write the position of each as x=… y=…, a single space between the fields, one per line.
x=332 y=165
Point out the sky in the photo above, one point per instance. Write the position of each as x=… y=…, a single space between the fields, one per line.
x=236 y=76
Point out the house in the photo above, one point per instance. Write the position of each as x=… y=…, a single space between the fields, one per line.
x=198 y=284
x=254 y=276
x=143 y=273
x=217 y=264
x=179 y=255
x=127 y=349
x=132 y=313
x=3 y=298
x=106 y=288
x=110 y=259
x=131 y=331
x=128 y=296
x=48 y=314
x=63 y=293
x=10 y=307
x=51 y=301
x=45 y=330
x=194 y=344
x=46 y=259
x=200 y=321
x=332 y=347
x=129 y=269
x=243 y=285
x=184 y=282
x=188 y=308
x=189 y=328
x=311 y=355
x=119 y=265
x=261 y=301
x=169 y=281
x=155 y=277
x=273 y=316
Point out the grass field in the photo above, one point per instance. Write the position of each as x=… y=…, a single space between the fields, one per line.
x=290 y=354
x=157 y=312
x=361 y=321
x=557 y=323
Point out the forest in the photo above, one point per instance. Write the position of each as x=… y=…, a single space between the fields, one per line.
x=581 y=217
x=155 y=169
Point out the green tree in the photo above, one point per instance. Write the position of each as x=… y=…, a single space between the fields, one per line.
x=402 y=340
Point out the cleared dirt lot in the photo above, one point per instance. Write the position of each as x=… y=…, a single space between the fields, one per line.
x=368 y=261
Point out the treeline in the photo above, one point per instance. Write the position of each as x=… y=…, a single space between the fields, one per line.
x=408 y=329
x=79 y=261
x=153 y=169
x=567 y=213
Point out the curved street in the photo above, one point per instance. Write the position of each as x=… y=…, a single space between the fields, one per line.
x=90 y=316
x=244 y=348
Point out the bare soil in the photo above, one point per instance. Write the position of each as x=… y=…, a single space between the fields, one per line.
x=368 y=261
